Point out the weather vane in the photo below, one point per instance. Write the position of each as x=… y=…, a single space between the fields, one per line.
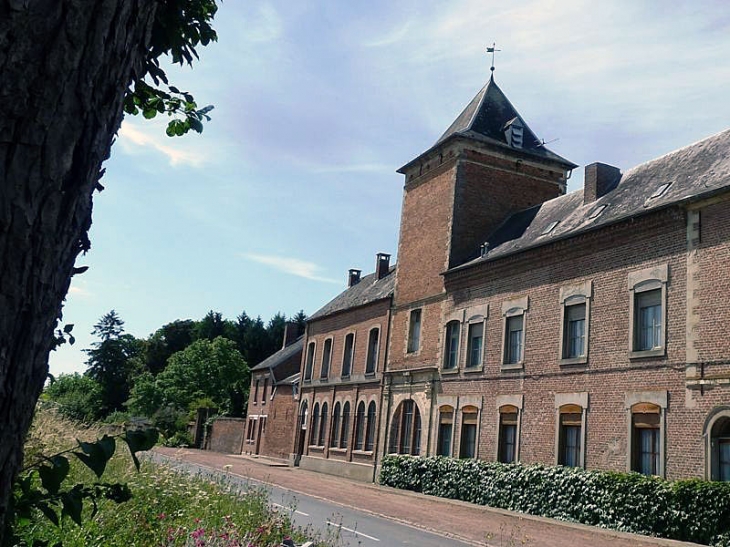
x=492 y=50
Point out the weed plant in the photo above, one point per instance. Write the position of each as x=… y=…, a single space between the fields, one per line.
x=167 y=508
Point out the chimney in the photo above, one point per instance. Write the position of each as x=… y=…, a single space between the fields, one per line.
x=382 y=265
x=291 y=333
x=599 y=180
x=353 y=277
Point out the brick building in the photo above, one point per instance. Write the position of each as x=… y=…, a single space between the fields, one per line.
x=273 y=399
x=526 y=324
x=342 y=369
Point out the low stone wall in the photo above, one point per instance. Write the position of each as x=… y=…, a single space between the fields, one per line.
x=226 y=435
x=355 y=471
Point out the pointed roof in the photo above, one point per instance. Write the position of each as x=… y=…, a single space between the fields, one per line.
x=487 y=117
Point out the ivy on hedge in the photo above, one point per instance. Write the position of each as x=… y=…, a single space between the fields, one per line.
x=687 y=510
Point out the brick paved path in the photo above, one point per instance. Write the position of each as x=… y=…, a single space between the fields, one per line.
x=474 y=524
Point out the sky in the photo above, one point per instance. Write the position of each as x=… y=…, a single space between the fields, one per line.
x=317 y=104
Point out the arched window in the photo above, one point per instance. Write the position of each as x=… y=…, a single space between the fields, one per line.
x=335 y=437
x=405 y=429
x=570 y=434
x=720 y=449
x=645 y=432
x=309 y=362
x=468 y=440
x=508 y=433
x=371 y=362
x=370 y=429
x=348 y=354
x=451 y=346
x=360 y=426
x=446 y=428
x=323 y=426
x=315 y=425
x=345 y=425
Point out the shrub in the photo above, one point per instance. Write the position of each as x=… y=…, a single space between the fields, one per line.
x=687 y=510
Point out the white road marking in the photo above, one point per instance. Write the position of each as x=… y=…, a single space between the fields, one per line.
x=329 y=523
x=288 y=508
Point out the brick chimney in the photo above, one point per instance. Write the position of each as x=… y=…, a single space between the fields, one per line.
x=353 y=277
x=600 y=178
x=382 y=265
x=291 y=333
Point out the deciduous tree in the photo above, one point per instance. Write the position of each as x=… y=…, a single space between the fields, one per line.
x=68 y=70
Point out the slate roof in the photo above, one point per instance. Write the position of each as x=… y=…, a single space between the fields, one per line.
x=369 y=289
x=485 y=118
x=280 y=357
x=697 y=171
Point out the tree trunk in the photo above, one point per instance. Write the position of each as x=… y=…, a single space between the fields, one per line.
x=64 y=68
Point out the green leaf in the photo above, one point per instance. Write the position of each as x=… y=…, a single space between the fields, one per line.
x=140 y=440
x=49 y=513
x=73 y=504
x=52 y=475
x=97 y=454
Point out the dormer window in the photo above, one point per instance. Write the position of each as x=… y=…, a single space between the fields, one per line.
x=513 y=131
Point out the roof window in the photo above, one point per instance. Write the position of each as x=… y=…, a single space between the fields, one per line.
x=513 y=131
x=550 y=227
x=596 y=212
x=659 y=192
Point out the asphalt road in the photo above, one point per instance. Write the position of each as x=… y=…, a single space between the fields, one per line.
x=348 y=527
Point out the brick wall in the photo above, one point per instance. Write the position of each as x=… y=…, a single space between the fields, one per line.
x=226 y=435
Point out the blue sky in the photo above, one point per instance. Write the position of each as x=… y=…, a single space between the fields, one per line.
x=316 y=106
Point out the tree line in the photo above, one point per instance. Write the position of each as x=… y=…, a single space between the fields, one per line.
x=182 y=366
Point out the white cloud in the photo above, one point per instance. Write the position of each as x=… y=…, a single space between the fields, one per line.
x=135 y=140
x=291 y=266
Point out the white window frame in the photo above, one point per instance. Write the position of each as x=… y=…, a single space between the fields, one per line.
x=578 y=399
x=575 y=295
x=514 y=308
x=648 y=279
x=658 y=398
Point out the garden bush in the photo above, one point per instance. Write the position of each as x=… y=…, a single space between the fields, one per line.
x=687 y=510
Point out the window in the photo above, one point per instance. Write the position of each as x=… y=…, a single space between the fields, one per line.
x=451 y=347
x=647 y=311
x=326 y=359
x=474 y=348
x=645 y=432
x=569 y=436
x=720 y=449
x=263 y=393
x=507 y=443
x=360 y=426
x=414 y=331
x=596 y=212
x=348 y=354
x=370 y=429
x=574 y=322
x=256 y=391
x=446 y=426
x=315 y=425
x=309 y=363
x=405 y=429
x=648 y=320
x=323 y=426
x=345 y=425
x=335 y=437
x=468 y=442
x=513 y=340
x=372 y=358
x=550 y=227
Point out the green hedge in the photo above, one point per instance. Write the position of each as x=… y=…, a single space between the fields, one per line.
x=688 y=510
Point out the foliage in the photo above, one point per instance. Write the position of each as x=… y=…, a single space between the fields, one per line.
x=688 y=510
x=166 y=341
x=42 y=488
x=213 y=370
x=78 y=397
x=166 y=508
x=179 y=27
x=113 y=361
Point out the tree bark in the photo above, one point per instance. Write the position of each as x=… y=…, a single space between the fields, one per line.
x=65 y=66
